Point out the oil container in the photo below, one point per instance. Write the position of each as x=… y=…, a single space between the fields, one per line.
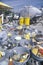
x=27 y=21
x=21 y=21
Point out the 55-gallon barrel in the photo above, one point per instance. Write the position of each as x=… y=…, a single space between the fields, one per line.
x=21 y=21
x=27 y=21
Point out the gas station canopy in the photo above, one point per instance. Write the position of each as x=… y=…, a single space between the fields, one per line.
x=4 y=6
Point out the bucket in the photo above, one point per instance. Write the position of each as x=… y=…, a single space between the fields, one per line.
x=21 y=50
x=21 y=21
x=27 y=21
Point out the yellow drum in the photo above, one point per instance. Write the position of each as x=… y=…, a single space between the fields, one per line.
x=27 y=21
x=21 y=21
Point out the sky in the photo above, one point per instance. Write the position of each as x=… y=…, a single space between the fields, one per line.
x=18 y=4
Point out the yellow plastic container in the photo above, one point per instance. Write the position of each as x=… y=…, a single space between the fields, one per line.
x=21 y=21
x=27 y=21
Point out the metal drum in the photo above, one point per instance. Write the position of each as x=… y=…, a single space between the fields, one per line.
x=21 y=50
x=21 y=21
x=27 y=21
